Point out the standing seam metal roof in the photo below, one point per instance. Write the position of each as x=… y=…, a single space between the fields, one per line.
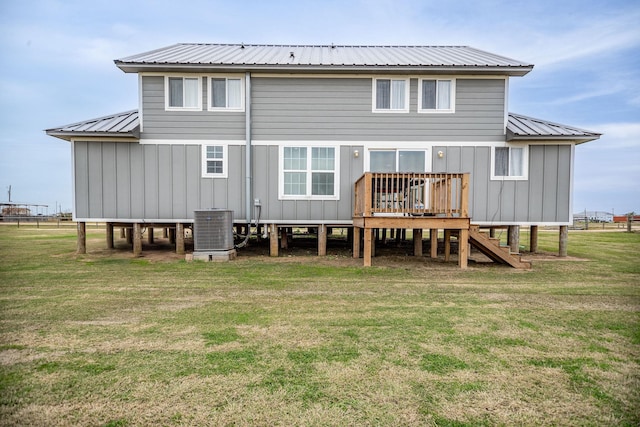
x=125 y=124
x=524 y=127
x=322 y=56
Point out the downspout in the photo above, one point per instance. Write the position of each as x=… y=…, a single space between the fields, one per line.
x=247 y=157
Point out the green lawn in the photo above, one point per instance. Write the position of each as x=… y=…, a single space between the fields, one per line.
x=105 y=339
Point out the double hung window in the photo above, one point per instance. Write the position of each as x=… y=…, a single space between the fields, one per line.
x=226 y=94
x=390 y=95
x=183 y=93
x=436 y=96
x=309 y=172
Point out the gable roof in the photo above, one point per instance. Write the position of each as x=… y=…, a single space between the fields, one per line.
x=252 y=57
x=521 y=127
x=120 y=125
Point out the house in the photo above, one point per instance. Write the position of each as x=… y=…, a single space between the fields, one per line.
x=320 y=136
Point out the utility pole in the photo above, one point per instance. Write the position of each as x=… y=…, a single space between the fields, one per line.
x=9 y=194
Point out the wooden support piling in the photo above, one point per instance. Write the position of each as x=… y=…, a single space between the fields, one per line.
x=447 y=245
x=463 y=248
x=356 y=242
x=322 y=240
x=533 y=239
x=150 y=235
x=417 y=242
x=273 y=240
x=82 y=238
x=110 y=235
x=137 y=239
x=179 y=238
x=433 y=237
x=514 y=238
x=563 y=240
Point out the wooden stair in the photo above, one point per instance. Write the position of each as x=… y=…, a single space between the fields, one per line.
x=491 y=248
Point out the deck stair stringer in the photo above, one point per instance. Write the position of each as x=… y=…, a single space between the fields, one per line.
x=491 y=247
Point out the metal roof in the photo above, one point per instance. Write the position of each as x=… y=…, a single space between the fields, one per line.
x=191 y=56
x=521 y=127
x=122 y=125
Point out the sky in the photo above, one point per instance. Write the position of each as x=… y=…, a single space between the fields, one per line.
x=56 y=68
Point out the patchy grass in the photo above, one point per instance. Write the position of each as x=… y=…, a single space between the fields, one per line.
x=106 y=339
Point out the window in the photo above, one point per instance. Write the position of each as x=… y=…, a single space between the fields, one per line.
x=436 y=96
x=397 y=161
x=509 y=162
x=226 y=94
x=390 y=95
x=309 y=172
x=214 y=161
x=183 y=93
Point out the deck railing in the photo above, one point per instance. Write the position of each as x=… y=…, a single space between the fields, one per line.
x=412 y=194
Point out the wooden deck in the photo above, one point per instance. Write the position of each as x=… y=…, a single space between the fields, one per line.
x=417 y=201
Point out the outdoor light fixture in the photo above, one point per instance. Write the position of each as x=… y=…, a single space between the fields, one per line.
x=440 y=154
x=356 y=153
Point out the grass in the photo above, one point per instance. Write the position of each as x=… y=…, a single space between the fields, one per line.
x=105 y=339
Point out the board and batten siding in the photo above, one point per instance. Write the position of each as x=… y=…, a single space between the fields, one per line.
x=131 y=181
x=341 y=109
x=265 y=188
x=544 y=197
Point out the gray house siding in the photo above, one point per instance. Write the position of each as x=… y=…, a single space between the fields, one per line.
x=341 y=109
x=543 y=197
x=127 y=181
x=199 y=125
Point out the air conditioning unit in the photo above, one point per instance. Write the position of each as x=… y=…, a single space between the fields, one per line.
x=213 y=235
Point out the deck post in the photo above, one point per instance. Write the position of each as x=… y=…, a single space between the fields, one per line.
x=356 y=242
x=369 y=243
x=109 y=235
x=564 y=238
x=179 y=238
x=82 y=238
x=492 y=233
x=150 y=236
x=463 y=248
x=433 y=237
x=273 y=240
x=137 y=239
x=533 y=239
x=514 y=238
x=447 y=245
x=417 y=241
x=322 y=240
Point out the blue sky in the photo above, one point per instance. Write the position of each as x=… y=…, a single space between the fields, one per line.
x=57 y=68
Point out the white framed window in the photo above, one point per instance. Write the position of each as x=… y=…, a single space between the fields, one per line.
x=183 y=93
x=406 y=160
x=214 y=161
x=436 y=95
x=509 y=162
x=309 y=173
x=390 y=95
x=226 y=93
